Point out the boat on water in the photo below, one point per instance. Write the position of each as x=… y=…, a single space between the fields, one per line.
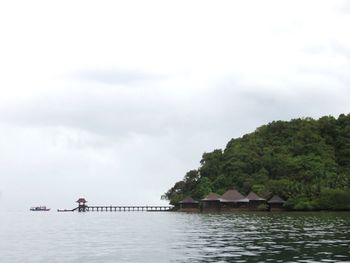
x=39 y=208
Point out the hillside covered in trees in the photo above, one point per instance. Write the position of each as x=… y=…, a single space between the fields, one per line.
x=304 y=160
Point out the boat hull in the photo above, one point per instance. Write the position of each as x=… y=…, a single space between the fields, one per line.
x=39 y=209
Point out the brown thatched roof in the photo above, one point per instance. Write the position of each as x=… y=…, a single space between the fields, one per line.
x=276 y=200
x=212 y=197
x=81 y=200
x=188 y=200
x=233 y=196
x=254 y=197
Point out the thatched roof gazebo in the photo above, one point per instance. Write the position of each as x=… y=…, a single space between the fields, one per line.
x=81 y=201
x=276 y=200
x=233 y=196
x=188 y=200
x=256 y=202
x=254 y=197
x=276 y=203
x=233 y=200
x=188 y=205
x=212 y=197
x=81 y=204
x=211 y=202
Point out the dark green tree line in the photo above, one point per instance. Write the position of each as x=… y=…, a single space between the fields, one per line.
x=304 y=160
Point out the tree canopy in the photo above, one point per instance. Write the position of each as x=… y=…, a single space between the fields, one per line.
x=304 y=160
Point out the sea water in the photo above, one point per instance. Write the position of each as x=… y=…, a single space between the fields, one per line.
x=174 y=237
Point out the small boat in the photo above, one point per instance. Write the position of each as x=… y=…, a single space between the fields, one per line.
x=39 y=208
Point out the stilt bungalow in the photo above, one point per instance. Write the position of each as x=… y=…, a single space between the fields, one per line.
x=255 y=201
x=233 y=200
x=276 y=203
x=211 y=203
x=188 y=205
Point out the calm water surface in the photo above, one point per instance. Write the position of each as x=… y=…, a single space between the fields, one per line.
x=174 y=237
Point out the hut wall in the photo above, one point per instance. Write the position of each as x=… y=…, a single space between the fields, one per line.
x=254 y=204
x=189 y=207
x=243 y=206
x=277 y=207
x=231 y=206
x=226 y=207
x=211 y=206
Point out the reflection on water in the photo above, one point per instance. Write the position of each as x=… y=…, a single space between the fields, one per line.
x=174 y=237
x=288 y=237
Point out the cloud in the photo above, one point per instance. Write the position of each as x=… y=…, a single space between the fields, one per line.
x=108 y=112
x=114 y=77
x=114 y=111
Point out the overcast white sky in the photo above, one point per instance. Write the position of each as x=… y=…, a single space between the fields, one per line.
x=115 y=100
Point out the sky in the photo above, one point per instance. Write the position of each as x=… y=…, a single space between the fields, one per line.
x=115 y=101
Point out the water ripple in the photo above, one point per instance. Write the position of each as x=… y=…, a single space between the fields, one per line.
x=174 y=237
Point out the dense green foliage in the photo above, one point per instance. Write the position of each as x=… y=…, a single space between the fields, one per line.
x=306 y=161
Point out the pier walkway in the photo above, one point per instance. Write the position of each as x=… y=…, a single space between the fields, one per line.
x=126 y=208
x=85 y=208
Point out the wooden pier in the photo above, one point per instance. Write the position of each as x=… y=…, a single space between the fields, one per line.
x=125 y=208
x=82 y=207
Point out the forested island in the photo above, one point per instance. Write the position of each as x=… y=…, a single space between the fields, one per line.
x=305 y=161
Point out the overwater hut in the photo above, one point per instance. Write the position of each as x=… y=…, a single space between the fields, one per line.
x=188 y=205
x=255 y=201
x=276 y=203
x=81 y=204
x=233 y=200
x=211 y=203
